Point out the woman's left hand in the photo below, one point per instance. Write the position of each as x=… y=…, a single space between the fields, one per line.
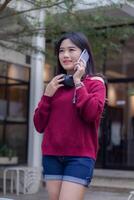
x=80 y=71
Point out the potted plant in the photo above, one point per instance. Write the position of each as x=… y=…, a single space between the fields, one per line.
x=7 y=155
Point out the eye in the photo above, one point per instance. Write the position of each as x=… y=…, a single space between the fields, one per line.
x=71 y=49
x=61 y=50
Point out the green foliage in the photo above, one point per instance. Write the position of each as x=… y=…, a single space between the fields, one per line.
x=100 y=25
x=5 y=151
x=105 y=32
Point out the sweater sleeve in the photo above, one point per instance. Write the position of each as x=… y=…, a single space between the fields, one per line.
x=90 y=104
x=41 y=114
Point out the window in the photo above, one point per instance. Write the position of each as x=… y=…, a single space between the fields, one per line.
x=14 y=98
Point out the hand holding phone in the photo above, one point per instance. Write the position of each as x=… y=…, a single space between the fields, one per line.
x=79 y=67
x=68 y=79
x=84 y=57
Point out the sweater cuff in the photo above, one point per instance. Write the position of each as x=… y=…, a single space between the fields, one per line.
x=46 y=98
x=81 y=89
x=45 y=102
x=81 y=93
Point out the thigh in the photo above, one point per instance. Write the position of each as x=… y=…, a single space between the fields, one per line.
x=53 y=188
x=52 y=175
x=70 y=190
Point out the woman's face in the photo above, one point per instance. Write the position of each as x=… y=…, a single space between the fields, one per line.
x=69 y=53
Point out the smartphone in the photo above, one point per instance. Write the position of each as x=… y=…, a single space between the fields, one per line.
x=84 y=57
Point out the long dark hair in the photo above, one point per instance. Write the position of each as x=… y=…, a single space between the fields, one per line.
x=80 y=40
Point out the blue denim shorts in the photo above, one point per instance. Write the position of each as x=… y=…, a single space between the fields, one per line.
x=68 y=168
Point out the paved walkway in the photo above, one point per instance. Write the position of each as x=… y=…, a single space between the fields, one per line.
x=91 y=194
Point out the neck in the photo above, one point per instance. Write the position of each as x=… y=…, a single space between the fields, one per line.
x=71 y=72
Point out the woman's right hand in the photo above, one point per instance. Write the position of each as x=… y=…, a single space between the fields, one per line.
x=54 y=84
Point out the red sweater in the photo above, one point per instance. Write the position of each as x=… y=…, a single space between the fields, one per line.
x=71 y=128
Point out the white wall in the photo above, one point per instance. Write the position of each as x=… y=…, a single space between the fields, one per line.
x=12 y=56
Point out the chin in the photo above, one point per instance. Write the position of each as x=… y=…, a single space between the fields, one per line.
x=67 y=68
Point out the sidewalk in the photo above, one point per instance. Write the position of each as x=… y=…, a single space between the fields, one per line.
x=91 y=194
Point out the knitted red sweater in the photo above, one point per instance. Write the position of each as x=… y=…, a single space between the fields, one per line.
x=71 y=128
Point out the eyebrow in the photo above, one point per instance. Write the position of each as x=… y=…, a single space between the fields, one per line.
x=68 y=47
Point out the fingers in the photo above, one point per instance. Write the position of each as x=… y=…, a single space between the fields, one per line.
x=58 y=77
x=79 y=65
x=59 y=85
x=54 y=84
x=79 y=71
x=83 y=63
x=79 y=68
x=60 y=80
x=57 y=80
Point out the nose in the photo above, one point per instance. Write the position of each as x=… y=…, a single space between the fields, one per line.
x=66 y=54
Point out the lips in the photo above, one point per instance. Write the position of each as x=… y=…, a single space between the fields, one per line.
x=67 y=61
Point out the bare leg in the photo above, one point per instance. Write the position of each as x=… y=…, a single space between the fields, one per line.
x=53 y=188
x=71 y=191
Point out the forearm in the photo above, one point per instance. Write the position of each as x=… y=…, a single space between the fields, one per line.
x=90 y=104
x=41 y=113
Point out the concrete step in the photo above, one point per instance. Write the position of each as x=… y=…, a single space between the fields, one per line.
x=114 y=179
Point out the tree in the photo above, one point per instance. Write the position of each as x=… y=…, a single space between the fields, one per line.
x=105 y=31
x=4 y=5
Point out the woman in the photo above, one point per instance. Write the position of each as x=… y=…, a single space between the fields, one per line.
x=69 y=117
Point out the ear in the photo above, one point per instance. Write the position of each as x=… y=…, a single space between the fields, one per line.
x=97 y=78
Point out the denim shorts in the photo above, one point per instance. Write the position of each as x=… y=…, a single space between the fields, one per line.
x=68 y=168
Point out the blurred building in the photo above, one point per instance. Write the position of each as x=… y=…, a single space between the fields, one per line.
x=22 y=78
